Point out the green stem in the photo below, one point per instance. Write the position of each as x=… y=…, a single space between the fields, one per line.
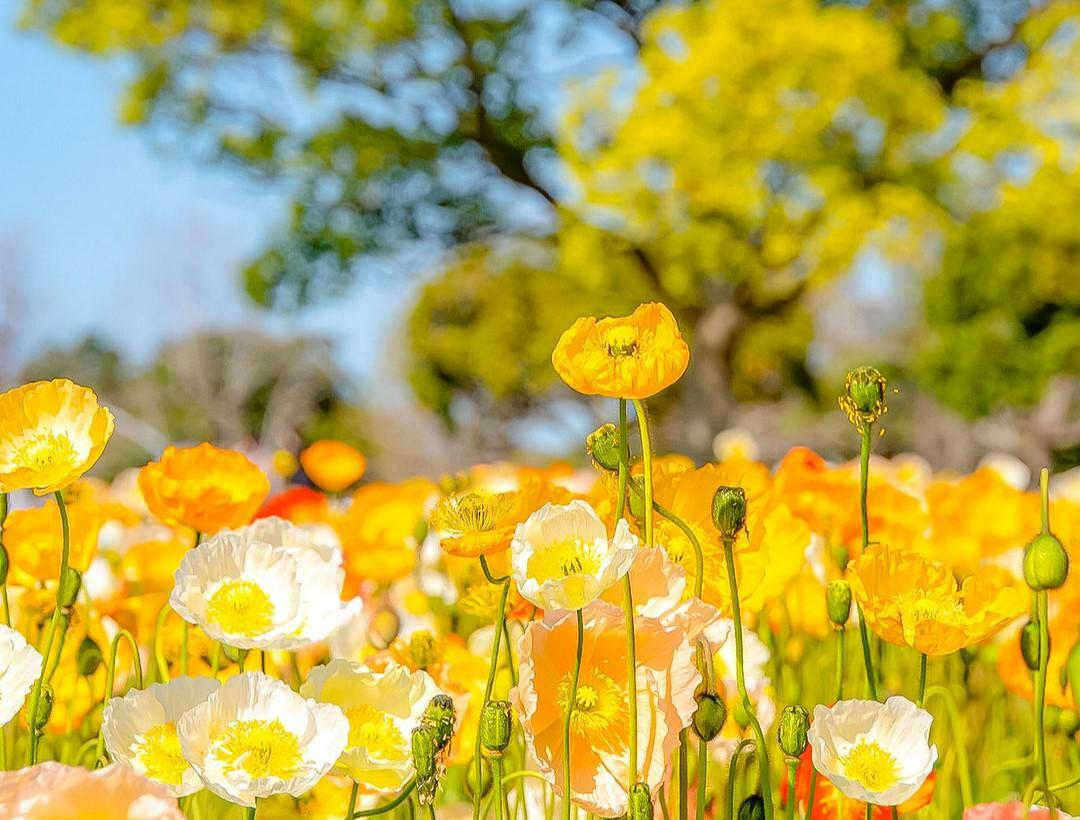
x=792 y=766
x=684 y=779
x=813 y=793
x=702 y=778
x=740 y=679
x=967 y=793
x=35 y=698
x=159 y=652
x=922 y=680
x=733 y=768
x=864 y=475
x=646 y=463
x=1040 y=688
x=350 y=812
x=570 y=702
x=497 y=783
x=500 y=616
x=840 y=634
x=869 y=811
x=393 y=804
x=699 y=556
x=110 y=680
x=631 y=676
x=249 y=812
x=624 y=461
x=3 y=553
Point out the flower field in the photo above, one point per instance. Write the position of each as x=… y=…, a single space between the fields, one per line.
x=209 y=638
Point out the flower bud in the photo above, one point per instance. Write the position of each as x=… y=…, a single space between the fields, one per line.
x=710 y=716
x=838 y=602
x=729 y=510
x=1029 y=644
x=792 y=729
x=70 y=585
x=1051 y=717
x=841 y=557
x=425 y=750
x=89 y=657
x=864 y=396
x=237 y=656
x=44 y=708
x=441 y=715
x=636 y=498
x=5 y=564
x=1046 y=564
x=1069 y=722
x=496 y=723
x=603 y=446
x=752 y=808
x=640 y=805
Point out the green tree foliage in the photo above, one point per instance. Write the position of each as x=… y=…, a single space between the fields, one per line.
x=734 y=158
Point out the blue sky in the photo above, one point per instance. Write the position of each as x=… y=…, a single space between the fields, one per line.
x=108 y=234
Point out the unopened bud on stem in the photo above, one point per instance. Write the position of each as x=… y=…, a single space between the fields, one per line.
x=729 y=511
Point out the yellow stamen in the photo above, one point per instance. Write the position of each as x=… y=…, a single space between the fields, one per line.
x=871 y=766
x=375 y=731
x=241 y=608
x=159 y=755
x=262 y=748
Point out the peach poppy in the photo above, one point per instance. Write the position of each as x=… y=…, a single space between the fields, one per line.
x=666 y=681
x=630 y=357
x=333 y=465
x=910 y=601
x=1013 y=810
x=53 y=791
x=33 y=539
x=203 y=487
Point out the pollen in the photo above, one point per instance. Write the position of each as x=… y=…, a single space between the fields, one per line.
x=600 y=709
x=46 y=452
x=159 y=756
x=262 y=748
x=475 y=512
x=374 y=730
x=241 y=608
x=620 y=341
x=871 y=766
x=563 y=559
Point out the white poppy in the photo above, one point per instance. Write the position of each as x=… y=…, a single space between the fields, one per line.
x=878 y=753
x=382 y=709
x=563 y=559
x=255 y=737
x=140 y=731
x=20 y=665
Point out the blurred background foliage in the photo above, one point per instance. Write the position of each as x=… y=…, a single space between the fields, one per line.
x=809 y=185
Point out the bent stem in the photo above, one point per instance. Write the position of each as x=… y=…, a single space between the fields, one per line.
x=967 y=796
x=646 y=463
x=500 y=616
x=570 y=702
x=733 y=767
x=393 y=804
x=740 y=679
x=110 y=680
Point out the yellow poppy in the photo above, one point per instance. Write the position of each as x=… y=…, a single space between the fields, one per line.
x=630 y=357
x=50 y=434
x=910 y=601
x=33 y=539
x=333 y=465
x=204 y=487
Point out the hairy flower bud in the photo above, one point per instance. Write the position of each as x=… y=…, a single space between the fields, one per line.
x=425 y=751
x=1046 y=564
x=640 y=805
x=603 y=446
x=70 y=585
x=838 y=602
x=729 y=510
x=496 y=723
x=44 y=708
x=441 y=715
x=1029 y=644
x=863 y=399
x=710 y=716
x=752 y=808
x=792 y=728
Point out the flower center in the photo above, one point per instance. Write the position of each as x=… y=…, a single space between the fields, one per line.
x=374 y=731
x=262 y=748
x=621 y=341
x=475 y=512
x=160 y=757
x=46 y=452
x=562 y=559
x=241 y=608
x=600 y=709
x=871 y=766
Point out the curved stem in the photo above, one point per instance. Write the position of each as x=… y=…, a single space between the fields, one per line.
x=491 y=577
x=500 y=616
x=733 y=767
x=699 y=556
x=110 y=680
x=522 y=773
x=1040 y=689
x=740 y=679
x=159 y=652
x=393 y=804
x=646 y=463
x=570 y=703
